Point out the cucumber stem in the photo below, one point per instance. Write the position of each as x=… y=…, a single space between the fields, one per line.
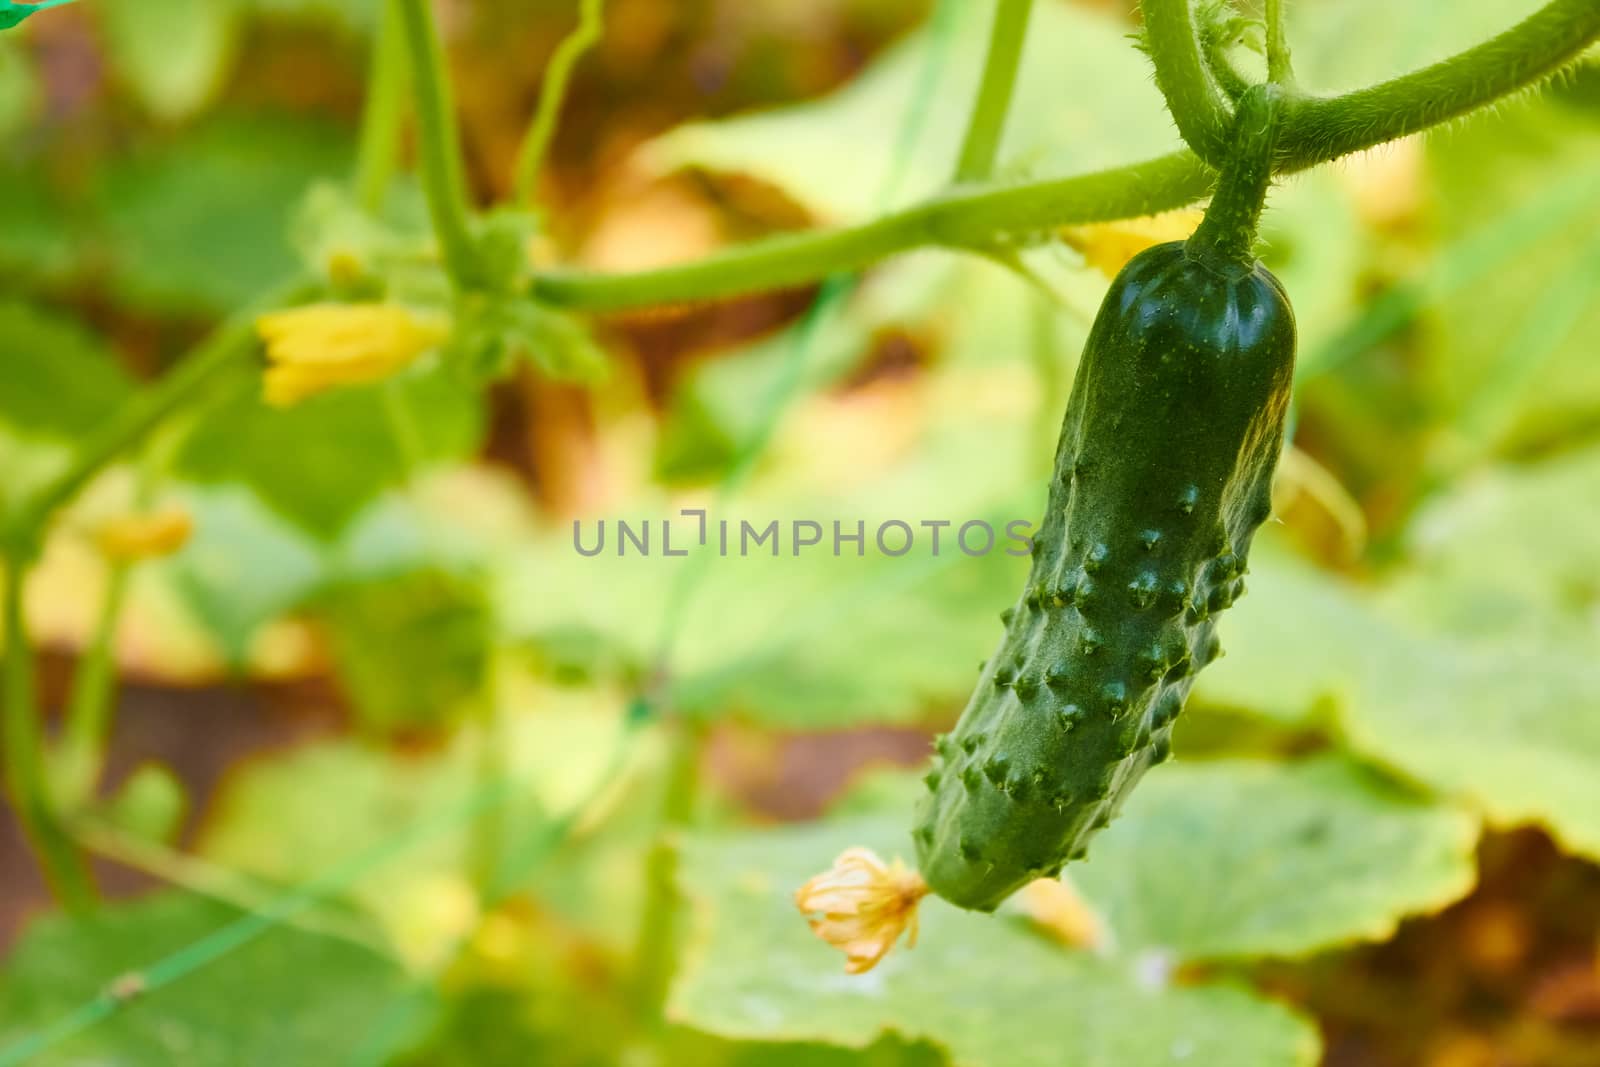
x=1226 y=236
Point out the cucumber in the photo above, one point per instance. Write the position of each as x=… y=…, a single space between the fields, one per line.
x=1162 y=475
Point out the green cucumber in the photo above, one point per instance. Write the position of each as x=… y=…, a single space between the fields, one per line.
x=1162 y=476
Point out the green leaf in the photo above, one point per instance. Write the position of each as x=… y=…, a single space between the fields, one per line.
x=57 y=383
x=245 y=566
x=285 y=997
x=292 y=819
x=321 y=462
x=56 y=378
x=38 y=226
x=411 y=649
x=817 y=640
x=1512 y=365
x=19 y=89
x=1316 y=245
x=1499 y=717
x=242 y=567
x=973 y=984
x=1294 y=645
x=832 y=156
x=1235 y=859
x=494 y=332
x=1516 y=732
x=149 y=804
x=1538 y=525
x=174 y=53
x=868 y=638
x=198 y=225
x=959 y=308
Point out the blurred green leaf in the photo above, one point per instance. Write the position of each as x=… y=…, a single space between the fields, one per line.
x=242 y=567
x=411 y=649
x=321 y=462
x=1316 y=244
x=285 y=997
x=199 y=224
x=493 y=332
x=1514 y=731
x=752 y=970
x=292 y=819
x=831 y=155
x=806 y=641
x=1235 y=859
x=38 y=223
x=350 y=14
x=1513 y=363
x=149 y=804
x=1478 y=709
x=1509 y=555
x=1294 y=645
x=818 y=640
x=57 y=380
x=173 y=53
x=19 y=89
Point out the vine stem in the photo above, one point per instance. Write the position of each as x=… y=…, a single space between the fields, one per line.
x=552 y=93
x=1313 y=130
x=384 y=112
x=439 y=145
x=1226 y=236
x=1280 y=70
x=1322 y=128
x=985 y=128
x=1215 y=46
x=1192 y=97
x=967 y=217
x=658 y=928
x=81 y=756
x=63 y=865
x=180 y=386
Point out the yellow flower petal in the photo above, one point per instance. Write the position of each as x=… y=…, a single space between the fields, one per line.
x=320 y=347
x=1107 y=246
x=128 y=538
x=861 y=906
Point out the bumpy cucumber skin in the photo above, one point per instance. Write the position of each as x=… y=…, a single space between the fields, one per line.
x=1162 y=476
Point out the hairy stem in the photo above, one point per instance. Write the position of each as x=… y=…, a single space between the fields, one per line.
x=1226 y=236
x=1215 y=46
x=384 y=112
x=552 y=92
x=1313 y=131
x=1323 y=128
x=63 y=866
x=965 y=217
x=1279 y=69
x=438 y=143
x=987 y=124
x=1197 y=107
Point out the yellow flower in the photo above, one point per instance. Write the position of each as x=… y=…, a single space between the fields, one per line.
x=320 y=347
x=1107 y=246
x=864 y=906
x=1057 y=908
x=127 y=538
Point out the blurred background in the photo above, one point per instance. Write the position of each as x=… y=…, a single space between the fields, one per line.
x=376 y=663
